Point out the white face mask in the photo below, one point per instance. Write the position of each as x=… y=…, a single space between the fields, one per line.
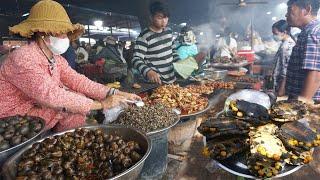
x=277 y=38
x=58 y=45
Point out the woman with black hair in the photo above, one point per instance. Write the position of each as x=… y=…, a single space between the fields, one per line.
x=281 y=33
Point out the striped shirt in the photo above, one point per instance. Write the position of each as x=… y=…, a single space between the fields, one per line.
x=156 y=51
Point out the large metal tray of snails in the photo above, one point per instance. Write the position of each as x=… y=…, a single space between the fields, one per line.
x=16 y=132
x=89 y=152
x=149 y=118
x=254 y=142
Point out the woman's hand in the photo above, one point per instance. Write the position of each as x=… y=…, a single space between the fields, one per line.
x=113 y=101
x=129 y=96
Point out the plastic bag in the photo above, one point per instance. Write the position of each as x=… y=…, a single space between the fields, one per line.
x=185 y=67
x=112 y=114
x=249 y=95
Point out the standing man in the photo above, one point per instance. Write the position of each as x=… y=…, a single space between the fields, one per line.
x=154 y=51
x=303 y=75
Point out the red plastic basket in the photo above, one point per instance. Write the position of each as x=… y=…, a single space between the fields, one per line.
x=248 y=54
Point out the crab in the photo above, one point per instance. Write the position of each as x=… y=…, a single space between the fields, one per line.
x=267 y=152
x=263 y=167
x=223 y=126
x=221 y=148
x=286 y=111
x=264 y=141
x=298 y=159
x=299 y=140
x=253 y=113
x=297 y=137
x=225 y=137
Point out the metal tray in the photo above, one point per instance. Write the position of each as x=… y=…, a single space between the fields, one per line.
x=145 y=87
x=4 y=155
x=9 y=168
x=186 y=116
x=230 y=65
x=237 y=165
x=163 y=129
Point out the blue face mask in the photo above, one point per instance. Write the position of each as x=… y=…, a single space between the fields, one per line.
x=277 y=38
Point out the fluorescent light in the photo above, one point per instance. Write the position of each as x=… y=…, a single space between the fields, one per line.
x=282 y=5
x=274 y=18
x=201 y=33
x=183 y=24
x=98 y=23
x=269 y=12
x=26 y=14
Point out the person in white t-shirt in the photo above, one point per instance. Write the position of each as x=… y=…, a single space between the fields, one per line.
x=82 y=54
x=226 y=45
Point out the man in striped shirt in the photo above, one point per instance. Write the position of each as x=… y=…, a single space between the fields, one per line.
x=154 y=51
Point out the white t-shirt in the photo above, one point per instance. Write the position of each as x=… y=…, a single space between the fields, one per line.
x=83 y=52
x=224 y=48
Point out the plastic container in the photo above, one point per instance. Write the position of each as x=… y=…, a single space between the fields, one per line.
x=248 y=54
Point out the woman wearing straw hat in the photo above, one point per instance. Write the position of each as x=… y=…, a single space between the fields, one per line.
x=37 y=81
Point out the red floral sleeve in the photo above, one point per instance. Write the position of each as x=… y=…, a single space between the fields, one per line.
x=80 y=83
x=26 y=74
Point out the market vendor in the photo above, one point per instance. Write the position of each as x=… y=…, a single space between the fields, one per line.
x=186 y=45
x=226 y=45
x=154 y=51
x=82 y=54
x=35 y=80
x=303 y=74
x=281 y=33
x=111 y=51
x=187 y=50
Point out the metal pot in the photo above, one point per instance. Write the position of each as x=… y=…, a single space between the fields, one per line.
x=9 y=168
x=156 y=164
x=215 y=74
x=4 y=155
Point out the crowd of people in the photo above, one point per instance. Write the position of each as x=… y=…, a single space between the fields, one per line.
x=41 y=78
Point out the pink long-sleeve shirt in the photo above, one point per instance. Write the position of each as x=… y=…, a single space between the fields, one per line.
x=26 y=80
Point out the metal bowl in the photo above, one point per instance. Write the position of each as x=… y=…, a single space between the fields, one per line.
x=215 y=74
x=237 y=165
x=9 y=168
x=155 y=132
x=4 y=155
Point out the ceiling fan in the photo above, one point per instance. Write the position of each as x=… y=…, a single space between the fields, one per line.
x=243 y=3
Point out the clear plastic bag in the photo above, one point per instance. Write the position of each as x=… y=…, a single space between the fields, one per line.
x=249 y=95
x=112 y=114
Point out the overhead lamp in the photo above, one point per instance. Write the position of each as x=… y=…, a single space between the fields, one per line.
x=183 y=24
x=274 y=18
x=201 y=33
x=98 y=23
x=269 y=12
x=26 y=14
